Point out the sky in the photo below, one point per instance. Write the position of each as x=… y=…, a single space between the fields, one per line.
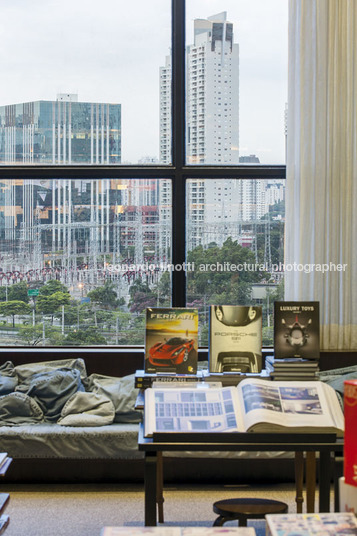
x=111 y=51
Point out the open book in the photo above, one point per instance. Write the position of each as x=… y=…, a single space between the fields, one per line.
x=253 y=406
x=334 y=524
x=178 y=531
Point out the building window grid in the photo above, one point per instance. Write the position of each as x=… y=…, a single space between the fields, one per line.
x=178 y=172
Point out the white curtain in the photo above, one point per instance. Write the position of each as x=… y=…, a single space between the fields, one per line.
x=321 y=187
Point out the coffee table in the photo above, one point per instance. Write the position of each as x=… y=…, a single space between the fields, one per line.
x=325 y=444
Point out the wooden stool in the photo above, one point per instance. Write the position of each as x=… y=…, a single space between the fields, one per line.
x=244 y=509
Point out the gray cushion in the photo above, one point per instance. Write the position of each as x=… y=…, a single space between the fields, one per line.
x=52 y=389
x=8 y=378
x=121 y=392
x=87 y=409
x=24 y=371
x=336 y=377
x=19 y=408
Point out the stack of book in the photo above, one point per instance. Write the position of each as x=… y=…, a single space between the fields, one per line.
x=291 y=368
x=232 y=378
x=144 y=380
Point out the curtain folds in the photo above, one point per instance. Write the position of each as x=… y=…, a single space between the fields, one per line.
x=321 y=186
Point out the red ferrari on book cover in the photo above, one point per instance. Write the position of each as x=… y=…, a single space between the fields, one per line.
x=350 y=450
x=171 y=340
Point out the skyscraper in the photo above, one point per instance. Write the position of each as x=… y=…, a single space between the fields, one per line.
x=217 y=209
x=212 y=93
x=64 y=131
x=212 y=112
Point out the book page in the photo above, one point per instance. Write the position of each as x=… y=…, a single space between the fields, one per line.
x=192 y=410
x=333 y=402
x=286 y=404
x=329 y=524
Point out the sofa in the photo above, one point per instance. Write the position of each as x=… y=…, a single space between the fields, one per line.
x=59 y=424
x=69 y=423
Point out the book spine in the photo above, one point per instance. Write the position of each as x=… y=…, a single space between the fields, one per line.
x=350 y=450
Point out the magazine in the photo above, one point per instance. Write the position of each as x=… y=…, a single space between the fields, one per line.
x=235 y=339
x=252 y=406
x=334 y=524
x=296 y=330
x=171 y=341
x=178 y=531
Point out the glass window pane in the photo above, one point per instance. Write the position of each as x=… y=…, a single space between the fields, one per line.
x=80 y=83
x=235 y=246
x=82 y=259
x=236 y=81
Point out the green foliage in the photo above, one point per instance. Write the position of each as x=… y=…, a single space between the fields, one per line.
x=49 y=304
x=132 y=332
x=84 y=337
x=15 y=307
x=31 y=335
x=16 y=292
x=226 y=287
x=105 y=296
x=51 y=287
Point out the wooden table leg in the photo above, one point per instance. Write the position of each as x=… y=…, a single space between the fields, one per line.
x=310 y=481
x=150 y=485
x=299 y=476
x=160 y=487
x=324 y=481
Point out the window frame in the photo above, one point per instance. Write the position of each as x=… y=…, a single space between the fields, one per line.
x=177 y=172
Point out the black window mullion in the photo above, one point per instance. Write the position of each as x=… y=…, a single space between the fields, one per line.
x=178 y=151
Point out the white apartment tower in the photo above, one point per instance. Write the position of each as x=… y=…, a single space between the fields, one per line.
x=216 y=209
x=212 y=108
x=212 y=93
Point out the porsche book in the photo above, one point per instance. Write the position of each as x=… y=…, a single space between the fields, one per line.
x=171 y=341
x=235 y=339
x=296 y=330
x=252 y=406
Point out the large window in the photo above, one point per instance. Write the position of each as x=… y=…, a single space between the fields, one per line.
x=80 y=81
x=109 y=220
x=236 y=54
x=235 y=246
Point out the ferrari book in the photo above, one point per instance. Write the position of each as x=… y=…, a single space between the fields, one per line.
x=252 y=406
x=329 y=524
x=235 y=339
x=296 y=330
x=171 y=341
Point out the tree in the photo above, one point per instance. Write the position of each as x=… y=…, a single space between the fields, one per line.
x=13 y=308
x=230 y=287
x=105 y=296
x=18 y=291
x=85 y=337
x=15 y=292
x=53 y=286
x=31 y=335
x=49 y=304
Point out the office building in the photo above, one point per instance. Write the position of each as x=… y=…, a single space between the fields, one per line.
x=63 y=131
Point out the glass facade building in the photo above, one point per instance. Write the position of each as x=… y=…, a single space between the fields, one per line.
x=64 y=131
